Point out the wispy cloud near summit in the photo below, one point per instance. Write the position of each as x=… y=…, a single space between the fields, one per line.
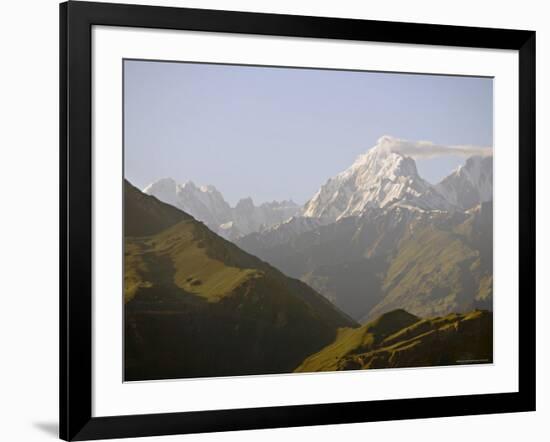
x=427 y=149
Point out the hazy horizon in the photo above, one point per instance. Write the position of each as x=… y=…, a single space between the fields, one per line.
x=280 y=133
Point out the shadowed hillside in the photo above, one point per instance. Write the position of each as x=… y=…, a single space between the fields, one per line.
x=196 y=305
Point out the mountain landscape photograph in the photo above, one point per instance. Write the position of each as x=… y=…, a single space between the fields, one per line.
x=293 y=220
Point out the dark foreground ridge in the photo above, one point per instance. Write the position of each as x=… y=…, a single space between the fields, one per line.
x=398 y=339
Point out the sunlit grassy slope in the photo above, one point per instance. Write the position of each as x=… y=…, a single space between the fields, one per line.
x=399 y=339
x=178 y=254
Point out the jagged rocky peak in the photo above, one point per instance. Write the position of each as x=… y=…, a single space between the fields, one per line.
x=207 y=204
x=208 y=188
x=470 y=184
x=383 y=161
x=245 y=204
x=204 y=203
x=169 y=191
x=284 y=204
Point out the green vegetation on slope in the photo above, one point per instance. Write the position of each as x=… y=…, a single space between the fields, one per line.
x=429 y=275
x=441 y=267
x=399 y=339
x=190 y=267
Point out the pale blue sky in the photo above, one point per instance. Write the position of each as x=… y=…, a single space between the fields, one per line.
x=279 y=133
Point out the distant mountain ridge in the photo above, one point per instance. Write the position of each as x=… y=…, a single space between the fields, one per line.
x=384 y=179
x=428 y=262
x=208 y=205
x=380 y=178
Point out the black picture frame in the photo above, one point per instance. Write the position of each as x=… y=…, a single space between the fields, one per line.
x=76 y=21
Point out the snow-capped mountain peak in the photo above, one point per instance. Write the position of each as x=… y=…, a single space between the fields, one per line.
x=381 y=161
x=203 y=202
x=378 y=178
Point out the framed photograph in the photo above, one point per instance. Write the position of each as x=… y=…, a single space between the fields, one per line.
x=273 y=220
